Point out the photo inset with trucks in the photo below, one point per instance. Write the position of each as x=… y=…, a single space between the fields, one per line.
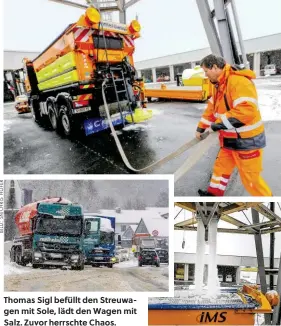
x=78 y=244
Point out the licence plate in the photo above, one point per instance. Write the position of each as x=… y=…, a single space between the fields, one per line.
x=81 y=110
x=98 y=258
x=56 y=255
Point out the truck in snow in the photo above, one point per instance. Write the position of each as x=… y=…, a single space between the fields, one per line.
x=143 y=242
x=99 y=241
x=90 y=61
x=50 y=234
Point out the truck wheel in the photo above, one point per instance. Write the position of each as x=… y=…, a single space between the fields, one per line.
x=52 y=116
x=81 y=267
x=12 y=254
x=35 y=111
x=110 y=266
x=35 y=265
x=18 y=256
x=65 y=121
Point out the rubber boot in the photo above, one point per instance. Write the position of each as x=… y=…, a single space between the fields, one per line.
x=203 y=193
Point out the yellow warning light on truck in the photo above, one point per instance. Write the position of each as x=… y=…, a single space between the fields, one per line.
x=93 y=15
x=135 y=26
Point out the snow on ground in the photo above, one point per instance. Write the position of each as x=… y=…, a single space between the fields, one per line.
x=136 y=127
x=7 y=125
x=156 y=112
x=127 y=264
x=270 y=104
x=12 y=268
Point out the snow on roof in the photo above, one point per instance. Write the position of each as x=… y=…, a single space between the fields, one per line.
x=133 y=217
x=159 y=210
x=105 y=225
x=158 y=223
x=134 y=227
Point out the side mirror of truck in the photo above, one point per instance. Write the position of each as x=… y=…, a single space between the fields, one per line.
x=87 y=228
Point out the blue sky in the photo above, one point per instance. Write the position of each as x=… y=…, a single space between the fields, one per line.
x=168 y=27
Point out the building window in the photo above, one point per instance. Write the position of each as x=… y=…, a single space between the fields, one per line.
x=163 y=74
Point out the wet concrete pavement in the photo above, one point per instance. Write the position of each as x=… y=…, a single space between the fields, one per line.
x=30 y=149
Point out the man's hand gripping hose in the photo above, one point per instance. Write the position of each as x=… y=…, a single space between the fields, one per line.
x=205 y=143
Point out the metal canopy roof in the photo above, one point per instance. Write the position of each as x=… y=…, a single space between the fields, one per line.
x=223 y=211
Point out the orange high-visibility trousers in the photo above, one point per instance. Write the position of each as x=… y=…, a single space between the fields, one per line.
x=249 y=165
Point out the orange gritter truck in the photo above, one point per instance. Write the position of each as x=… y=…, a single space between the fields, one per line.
x=65 y=82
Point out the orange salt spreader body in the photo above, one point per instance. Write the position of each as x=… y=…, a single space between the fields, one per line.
x=64 y=82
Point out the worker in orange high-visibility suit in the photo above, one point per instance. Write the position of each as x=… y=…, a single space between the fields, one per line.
x=233 y=112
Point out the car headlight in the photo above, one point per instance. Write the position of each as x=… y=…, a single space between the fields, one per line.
x=113 y=259
x=37 y=254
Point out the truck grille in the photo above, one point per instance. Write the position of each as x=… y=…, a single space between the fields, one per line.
x=100 y=251
x=58 y=247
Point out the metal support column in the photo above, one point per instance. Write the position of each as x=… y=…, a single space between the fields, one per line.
x=260 y=259
x=209 y=26
x=122 y=12
x=239 y=34
x=271 y=253
x=224 y=30
x=276 y=318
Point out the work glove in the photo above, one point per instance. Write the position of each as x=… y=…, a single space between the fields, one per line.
x=217 y=126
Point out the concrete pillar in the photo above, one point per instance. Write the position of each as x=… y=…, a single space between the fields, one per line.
x=238 y=272
x=154 y=75
x=257 y=62
x=193 y=65
x=186 y=272
x=172 y=73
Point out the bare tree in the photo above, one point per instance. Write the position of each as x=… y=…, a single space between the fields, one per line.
x=163 y=200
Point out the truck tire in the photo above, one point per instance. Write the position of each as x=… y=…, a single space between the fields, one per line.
x=52 y=116
x=35 y=111
x=65 y=121
x=110 y=265
x=81 y=267
x=35 y=265
x=78 y=268
x=18 y=257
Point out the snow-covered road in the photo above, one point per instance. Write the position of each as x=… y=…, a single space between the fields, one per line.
x=125 y=276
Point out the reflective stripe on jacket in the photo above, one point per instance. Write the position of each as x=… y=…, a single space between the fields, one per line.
x=234 y=109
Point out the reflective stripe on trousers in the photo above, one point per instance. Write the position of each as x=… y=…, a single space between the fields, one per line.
x=249 y=164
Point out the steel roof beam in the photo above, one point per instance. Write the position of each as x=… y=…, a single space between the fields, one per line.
x=221 y=230
x=188 y=206
x=232 y=220
x=262 y=209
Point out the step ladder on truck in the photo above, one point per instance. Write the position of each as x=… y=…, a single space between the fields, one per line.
x=65 y=82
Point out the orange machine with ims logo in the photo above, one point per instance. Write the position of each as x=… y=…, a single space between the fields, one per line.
x=241 y=311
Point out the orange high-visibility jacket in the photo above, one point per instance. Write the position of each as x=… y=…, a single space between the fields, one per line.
x=233 y=111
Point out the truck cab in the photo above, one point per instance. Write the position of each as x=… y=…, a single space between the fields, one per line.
x=58 y=236
x=99 y=244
